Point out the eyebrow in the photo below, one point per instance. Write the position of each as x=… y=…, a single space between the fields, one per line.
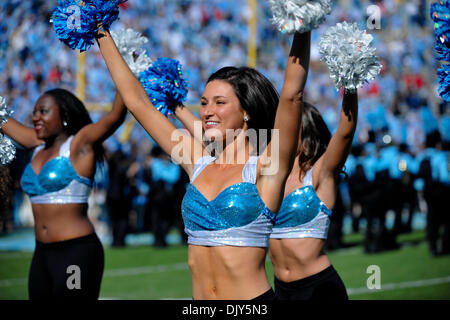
x=215 y=97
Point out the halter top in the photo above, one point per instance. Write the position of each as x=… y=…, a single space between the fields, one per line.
x=302 y=214
x=235 y=217
x=57 y=182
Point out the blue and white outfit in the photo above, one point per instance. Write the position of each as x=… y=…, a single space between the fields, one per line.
x=235 y=217
x=59 y=184
x=302 y=214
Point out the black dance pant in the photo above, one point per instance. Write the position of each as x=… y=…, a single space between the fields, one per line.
x=324 y=285
x=71 y=269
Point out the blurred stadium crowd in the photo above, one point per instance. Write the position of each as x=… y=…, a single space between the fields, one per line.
x=399 y=160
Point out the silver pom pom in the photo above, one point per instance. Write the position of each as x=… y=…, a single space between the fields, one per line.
x=347 y=52
x=7 y=150
x=299 y=15
x=5 y=113
x=130 y=44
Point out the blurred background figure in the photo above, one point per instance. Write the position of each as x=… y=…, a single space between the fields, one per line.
x=434 y=175
x=6 y=194
x=119 y=195
x=164 y=208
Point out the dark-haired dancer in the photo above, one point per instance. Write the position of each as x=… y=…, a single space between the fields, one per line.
x=228 y=207
x=68 y=260
x=302 y=270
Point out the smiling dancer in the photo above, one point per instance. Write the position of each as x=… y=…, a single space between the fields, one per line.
x=58 y=180
x=228 y=207
x=302 y=270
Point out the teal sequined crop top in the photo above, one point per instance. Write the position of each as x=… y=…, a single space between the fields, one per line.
x=57 y=182
x=302 y=214
x=236 y=217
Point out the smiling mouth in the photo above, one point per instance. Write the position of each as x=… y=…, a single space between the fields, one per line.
x=38 y=127
x=211 y=124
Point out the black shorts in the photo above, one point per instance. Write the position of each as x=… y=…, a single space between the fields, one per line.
x=71 y=269
x=326 y=284
x=269 y=295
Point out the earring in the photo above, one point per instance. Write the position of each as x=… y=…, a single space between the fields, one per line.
x=64 y=124
x=246 y=118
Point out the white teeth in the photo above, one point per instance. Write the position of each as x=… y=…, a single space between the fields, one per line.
x=211 y=123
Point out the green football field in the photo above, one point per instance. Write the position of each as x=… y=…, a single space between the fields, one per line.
x=142 y=272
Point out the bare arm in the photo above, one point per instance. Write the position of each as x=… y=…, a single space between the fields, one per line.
x=101 y=130
x=137 y=101
x=187 y=118
x=21 y=134
x=340 y=144
x=288 y=117
x=287 y=123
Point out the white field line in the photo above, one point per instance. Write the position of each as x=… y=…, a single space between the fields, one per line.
x=183 y=266
x=115 y=273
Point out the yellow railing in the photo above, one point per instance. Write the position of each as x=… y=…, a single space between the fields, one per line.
x=252 y=27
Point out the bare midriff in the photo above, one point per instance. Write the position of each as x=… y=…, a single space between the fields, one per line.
x=60 y=222
x=295 y=259
x=227 y=273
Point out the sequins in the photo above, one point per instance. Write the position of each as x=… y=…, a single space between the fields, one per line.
x=57 y=182
x=302 y=215
x=237 y=217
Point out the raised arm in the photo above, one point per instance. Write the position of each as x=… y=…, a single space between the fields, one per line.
x=287 y=123
x=187 y=118
x=23 y=135
x=101 y=130
x=288 y=116
x=341 y=142
x=138 y=102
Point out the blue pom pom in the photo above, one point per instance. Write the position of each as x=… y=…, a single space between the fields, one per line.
x=440 y=13
x=76 y=21
x=107 y=11
x=444 y=82
x=443 y=50
x=165 y=85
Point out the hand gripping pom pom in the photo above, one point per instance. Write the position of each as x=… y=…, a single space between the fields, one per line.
x=5 y=113
x=165 y=85
x=76 y=22
x=299 y=15
x=130 y=44
x=7 y=150
x=347 y=52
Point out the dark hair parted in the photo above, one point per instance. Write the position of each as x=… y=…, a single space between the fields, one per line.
x=74 y=113
x=315 y=137
x=257 y=96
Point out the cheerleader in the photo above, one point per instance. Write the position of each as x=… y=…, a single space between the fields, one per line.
x=302 y=270
x=58 y=180
x=228 y=209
